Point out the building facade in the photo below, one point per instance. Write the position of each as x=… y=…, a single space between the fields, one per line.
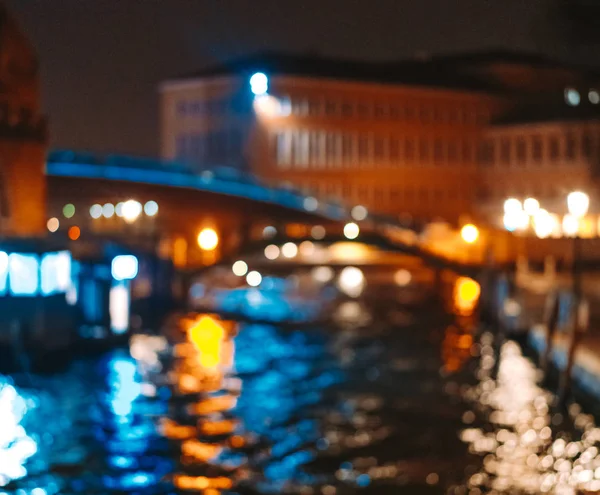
x=447 y=137
x=22 y=135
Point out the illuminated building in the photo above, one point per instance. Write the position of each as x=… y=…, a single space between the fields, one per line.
x=22 y=135
x=439 y=137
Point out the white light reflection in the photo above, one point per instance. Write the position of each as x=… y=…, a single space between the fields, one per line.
x=520 y=454
x=351 y=281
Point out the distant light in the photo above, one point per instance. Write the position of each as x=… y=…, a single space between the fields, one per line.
x=108 y=210
x=118 y=308
x=323 y=274
x=289 y=250
x=512 y=205
x=96 y=211
x=254 y=279
x=543 y=224
x=74 y=233
x=131 y=210
x=151 y=208
x=271 y=252
x=310 y=203
x=531 y=206
x=306 y=248
x=240 y=268
x=359 y=213
x=269 y=232
x=594 y=96
x=53 y=224
x=259 y=84
x=578 y=203
x=3 y=271
x=318 y=232
x=402 y=277
x=208 y=239
x=23 y=272
x=69 y=210
x=570 y=225
x=572 y=97
x=351 y=281
x=119 y=209
x=351 y=230
x=124 y=267
x=469 y=233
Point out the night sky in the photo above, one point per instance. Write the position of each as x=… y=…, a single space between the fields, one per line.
x=102 y=59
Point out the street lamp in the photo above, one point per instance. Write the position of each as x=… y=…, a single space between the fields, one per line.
x=469 y=233
x=578 y=204
x=208 y=239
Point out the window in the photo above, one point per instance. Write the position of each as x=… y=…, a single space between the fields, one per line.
x=330 y=108
x=378 y=194
x=521 y=150
x=423 y=150
x=282 y=146
x=409 y=149
x=347 y=109
x=554 y=148
x=379 y=111
x=409 y=113
x=314 y=147
x=363 y=149
x=394 y=112
x=300 y=149
x=505 y=151
x=571 y=143
x=537 y=148
x=300 y=106
x=394 y=194
x=587 y=145
x=347 y=145
x=452 y=151
x=363 y=193
x=346 y=191
x=331 y=148
x=314 y=107
x=438 y=151
x=363 y=110
x=181 y=146
x=378 y=149
x=424 y=114
x=486 y=153
x=394 y=151
x=467 y=151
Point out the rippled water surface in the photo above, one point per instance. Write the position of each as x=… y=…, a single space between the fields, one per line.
x=388 y=401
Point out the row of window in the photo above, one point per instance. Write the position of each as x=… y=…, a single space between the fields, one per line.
x=414 y=112
x=537 y=148
x=384 y=194
x=423 y=112
x=213 y=146
x=332 y=149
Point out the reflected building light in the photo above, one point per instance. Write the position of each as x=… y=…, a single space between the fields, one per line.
x=53 y=224
x=306 y=248
x=351 y=230
x=23 y=274
x=310 y=203
x=359 y=213
x=151 y=208
x=96 y=211
x=402 y=277
x=108 y=210
x=351 y=281
x=207 y=336
x=570 y=225
x=118 y=308
x=269 y=232
x=289 y=250
x=253 y=279
x=512 y=205
x=318 y=232
x=323 y=274
x=531 y=206
x=124 y=267
x=240 y=268
x=271 y=252
x=466 y=295
x=131 y=210
x=69 y=210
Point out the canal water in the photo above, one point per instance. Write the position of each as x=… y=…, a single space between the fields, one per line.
x=393 y=398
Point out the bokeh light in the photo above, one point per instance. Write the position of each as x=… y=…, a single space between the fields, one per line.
x=53 y=224
x=208 y=239
x=240 y=268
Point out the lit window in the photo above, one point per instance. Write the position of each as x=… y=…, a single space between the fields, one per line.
x=23 y=271
x=56 y=273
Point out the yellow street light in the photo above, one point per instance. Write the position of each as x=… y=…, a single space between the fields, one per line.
x=469 y=233
x=578 y=203
x=351 y=230
x=208 y=239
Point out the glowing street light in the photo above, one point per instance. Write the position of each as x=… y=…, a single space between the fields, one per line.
x=543 y=224
x=208 y=239
x=240 y=268
x=578 y=203
x=259 y=84
x=351 y=230
x=469 y=233
x=131 y=210
x=512 y=205
x=531 y=206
